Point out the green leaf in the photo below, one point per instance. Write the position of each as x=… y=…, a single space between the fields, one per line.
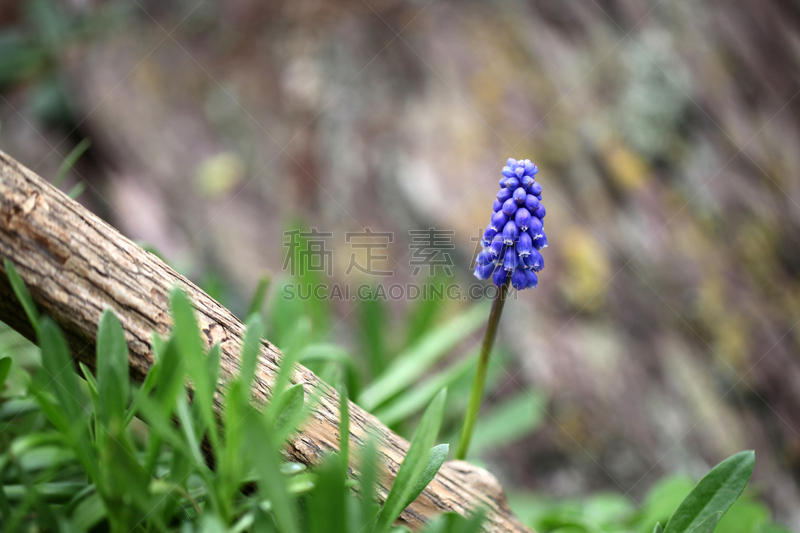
x=5 y=368
x=70 y=161
x=373 y=325
x=91 y=382
x=417 y=398
x=508 y=421
x=709 y=524
x=257 y=301
x=251 y=348
x=192 y=351
x=658 y=528
x=263 y=452
x=330 y=353
x=24 y=297
x=327 y=501
x=58 y=372
x=113 y=386
x=289 y=409
x=369 y=475
x=715 y=493
x=412 y=364
x=414 y=464
x=436 y=459
x=77 y=190
x=344 y=429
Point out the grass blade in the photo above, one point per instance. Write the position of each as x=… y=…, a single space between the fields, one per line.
x=414 y=362
x=24 y=297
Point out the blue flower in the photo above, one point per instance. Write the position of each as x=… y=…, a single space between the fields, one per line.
x=515 y=233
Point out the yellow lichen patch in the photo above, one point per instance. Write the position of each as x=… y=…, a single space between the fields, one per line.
x=219 y=173
x=628 y=170
x=728 y=328
x=586 y=268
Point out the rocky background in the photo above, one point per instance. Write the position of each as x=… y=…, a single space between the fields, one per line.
x=667 y=133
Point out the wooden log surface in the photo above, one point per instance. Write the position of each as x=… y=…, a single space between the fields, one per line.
x=76 y=265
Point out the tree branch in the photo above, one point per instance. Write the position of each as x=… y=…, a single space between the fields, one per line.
x=76 y=265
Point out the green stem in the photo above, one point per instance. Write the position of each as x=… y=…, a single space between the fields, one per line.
x=479 y=382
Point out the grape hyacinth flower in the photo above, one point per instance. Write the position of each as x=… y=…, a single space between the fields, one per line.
x=510 y=256
x=518 y=216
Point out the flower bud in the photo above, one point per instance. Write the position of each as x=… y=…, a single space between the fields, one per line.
x=522 y=218
x=535 y=228
x=496 y=248
x=540 y=212
x=531 y=203
x=512 y=184
x=504 y=194
x=510 y=233
x=533 y=279
x=525 y=245
x=500 y=277
x=484 y=271
x=510 y=259
x=519 y=195
x=509 y=207
x=484 y=257
x=519 y=280
x=499 y=220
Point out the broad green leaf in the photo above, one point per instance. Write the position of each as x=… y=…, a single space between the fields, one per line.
x=658 y=528
x=413 y=363
x=112 y=371
x=715 y=493
x=436 y=459
x=413 y=465
x=24 y=297
x=709 y=524
x=327 y=501
x=5 y=368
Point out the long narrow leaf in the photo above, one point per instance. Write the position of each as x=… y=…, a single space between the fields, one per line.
x=21 y=291
x=409 y=366
x=413 y=465
x=112 y=370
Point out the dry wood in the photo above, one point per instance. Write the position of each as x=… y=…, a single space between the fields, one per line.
x=76 y=265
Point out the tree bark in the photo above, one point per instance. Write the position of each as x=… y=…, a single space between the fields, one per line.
x=75 y=266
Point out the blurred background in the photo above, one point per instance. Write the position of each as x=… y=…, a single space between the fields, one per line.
x=662 y=336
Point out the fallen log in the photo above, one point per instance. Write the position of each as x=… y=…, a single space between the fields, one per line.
x=76 y=265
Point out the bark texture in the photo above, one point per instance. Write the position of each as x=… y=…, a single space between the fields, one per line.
x=75 y=265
